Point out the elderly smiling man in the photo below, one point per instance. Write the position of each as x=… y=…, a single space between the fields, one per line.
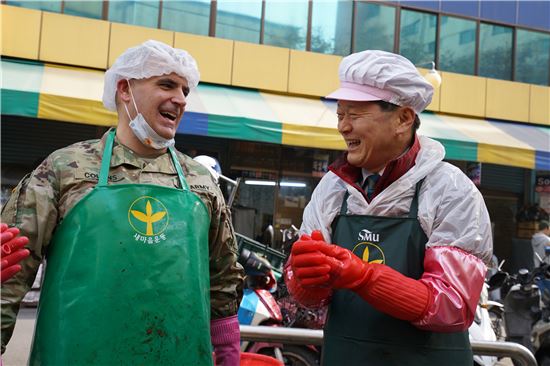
x=411 y=232
x=141 y=254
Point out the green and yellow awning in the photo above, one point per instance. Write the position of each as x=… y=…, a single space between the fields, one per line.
x=71 y=94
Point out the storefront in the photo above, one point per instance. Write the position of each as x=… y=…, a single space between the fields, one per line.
x=280 y=145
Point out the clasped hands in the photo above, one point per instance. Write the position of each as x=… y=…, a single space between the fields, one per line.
x=12 y=251
x=316 y=263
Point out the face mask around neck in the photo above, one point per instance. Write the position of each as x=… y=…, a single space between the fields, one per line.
x=143 y=130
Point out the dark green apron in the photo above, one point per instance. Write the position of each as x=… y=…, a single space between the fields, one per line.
x=127 y=278
x=358 y=334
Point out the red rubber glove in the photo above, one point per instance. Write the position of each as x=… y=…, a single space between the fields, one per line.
x=316 y=263
x=309 y=297
x=12 y=251
x=309 y=266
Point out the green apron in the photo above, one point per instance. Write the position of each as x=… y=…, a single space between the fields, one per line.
x=127 y=279
x=358 y=334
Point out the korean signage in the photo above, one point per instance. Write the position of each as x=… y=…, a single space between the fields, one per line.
x=542 y=187
x=542 y=184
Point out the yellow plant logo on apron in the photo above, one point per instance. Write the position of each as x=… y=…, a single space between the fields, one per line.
x=369 y=252
x=149 y=218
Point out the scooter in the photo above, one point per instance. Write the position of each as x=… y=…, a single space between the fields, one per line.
x=259 y=307
x=541 y=330
x=481 y=329
x=526 y=317
x=494 y=302
x=296 y=316
x=540 y=337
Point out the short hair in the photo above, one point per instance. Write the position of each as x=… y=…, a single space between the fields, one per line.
x=543 y=225
x=390 y=107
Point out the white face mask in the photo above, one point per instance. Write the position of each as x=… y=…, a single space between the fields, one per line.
x=143 y=130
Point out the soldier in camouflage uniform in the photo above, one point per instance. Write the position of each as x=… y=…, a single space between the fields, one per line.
x=43 y=198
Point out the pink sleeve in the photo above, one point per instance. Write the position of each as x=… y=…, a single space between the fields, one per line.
x=455 y=279
x=226 y=338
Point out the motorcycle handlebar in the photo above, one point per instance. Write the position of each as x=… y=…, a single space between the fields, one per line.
x=524 y=277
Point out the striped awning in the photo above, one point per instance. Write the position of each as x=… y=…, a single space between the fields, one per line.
x=70 y=94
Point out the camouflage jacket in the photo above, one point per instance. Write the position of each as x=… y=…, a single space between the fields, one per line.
x=46 y=195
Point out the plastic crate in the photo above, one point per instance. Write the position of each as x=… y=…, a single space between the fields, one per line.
x=275 y=258
x=254 y=359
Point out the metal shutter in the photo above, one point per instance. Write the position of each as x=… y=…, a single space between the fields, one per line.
x=27 y=141
x=503 y=178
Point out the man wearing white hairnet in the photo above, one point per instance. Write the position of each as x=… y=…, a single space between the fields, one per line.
x=411 y=233
x=141 y=254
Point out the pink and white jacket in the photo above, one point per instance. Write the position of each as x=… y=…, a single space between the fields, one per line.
x=451 y=212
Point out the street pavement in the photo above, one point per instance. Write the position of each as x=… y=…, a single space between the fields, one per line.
x=17 y=352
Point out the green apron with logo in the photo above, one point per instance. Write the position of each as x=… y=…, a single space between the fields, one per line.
x=358 y=334
x=127 y=279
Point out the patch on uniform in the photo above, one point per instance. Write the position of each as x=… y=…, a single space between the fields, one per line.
x=93 y=176
x=199 y=187
x=10 y=211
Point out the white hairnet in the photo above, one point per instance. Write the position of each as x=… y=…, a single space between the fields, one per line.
x=151 y=58
x=379 y=75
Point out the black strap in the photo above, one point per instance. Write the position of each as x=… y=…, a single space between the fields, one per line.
x=413 y=211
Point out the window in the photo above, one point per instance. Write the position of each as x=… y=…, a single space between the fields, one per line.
x=433 y=22
x=144 y=13
x=411 y=28
x=495 y=30
x=431 y=47
x=457 y=45
x=286 y=28
x=46 y=5
x=467 y=36
x=417 y=36
x=532 y=57
x=331 y=26
x=375 y=27
x=239 y=20
x=89 y=9
x=186 y=16
x=495 y=51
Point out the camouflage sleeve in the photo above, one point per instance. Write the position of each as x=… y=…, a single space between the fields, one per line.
x=226 y=274
x=32 y=207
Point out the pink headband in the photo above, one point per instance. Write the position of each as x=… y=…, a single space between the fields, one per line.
x=367 y=89
x=361 y=92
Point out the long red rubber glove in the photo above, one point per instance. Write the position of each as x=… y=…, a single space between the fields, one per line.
x=12 y=251
x=310 y=297
x=318 y=264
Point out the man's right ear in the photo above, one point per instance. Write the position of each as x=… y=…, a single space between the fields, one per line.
x=123 y=90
